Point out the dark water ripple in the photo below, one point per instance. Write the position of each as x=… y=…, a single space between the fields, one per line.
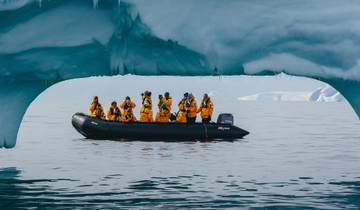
x=169 y=193
x=295 y=158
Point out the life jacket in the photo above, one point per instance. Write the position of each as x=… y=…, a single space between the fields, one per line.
x=181 y=117
x=146 y=114
x=191 y=107
x=127 y=106
x=115 y=111
x=129 y=117
x=181 y=114
x=167 y=102
x=181 y=105
x=114 y=114
x=206 y=109
x=164 y=114
x=146 y=104
x=96 y=110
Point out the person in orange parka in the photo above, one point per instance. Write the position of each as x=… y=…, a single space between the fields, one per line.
x=163 y=115
x=96 y=110
x=114 y=113
x=146 y=113
x=206 y=109
x=181 y=114
x=167 y=100
x=129 y=116
x=191 y=108
x=127 y=107
x=164 y=106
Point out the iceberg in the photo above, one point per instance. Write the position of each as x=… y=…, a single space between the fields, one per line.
x=276 y=96
x=326 y=94
x=46 y=42
x=321 y=94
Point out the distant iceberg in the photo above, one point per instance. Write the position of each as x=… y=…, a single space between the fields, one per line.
x=326 y=94
x=322 y=94
x=277 y=96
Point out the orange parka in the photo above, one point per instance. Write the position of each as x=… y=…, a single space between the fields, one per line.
x=164 y=114
x=146 y=113
x=167 y=102
x=206 y=109
x=181 y=115
x=127 y=111
x=114 y=114
x=96 y=110
x=191 y=107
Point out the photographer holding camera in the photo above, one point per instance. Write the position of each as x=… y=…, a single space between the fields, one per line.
x=191 y=109
x=146 y=113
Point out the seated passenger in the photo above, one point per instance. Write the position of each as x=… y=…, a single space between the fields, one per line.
x=160 y=101
x=191 y=109
x=206 y=109
x=146 y=113
x=129 y=116
x=181 y=114
x=127 y=107
x=163 y=115
x=114 y=113
x=96 y=109
x=167 y=100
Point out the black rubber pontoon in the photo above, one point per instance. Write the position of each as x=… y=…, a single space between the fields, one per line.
x=94 y=128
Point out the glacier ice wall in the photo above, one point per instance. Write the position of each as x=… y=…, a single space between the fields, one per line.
x=46 y=41
x=232 y=33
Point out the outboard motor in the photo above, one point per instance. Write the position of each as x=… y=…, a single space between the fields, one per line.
x=225 y=118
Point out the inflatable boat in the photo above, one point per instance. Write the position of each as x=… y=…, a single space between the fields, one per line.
x=94 y=128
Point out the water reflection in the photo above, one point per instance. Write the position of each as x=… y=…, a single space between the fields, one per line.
x=310 y=164
x=174 y=192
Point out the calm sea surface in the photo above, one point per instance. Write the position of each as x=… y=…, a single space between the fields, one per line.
x=298 y=156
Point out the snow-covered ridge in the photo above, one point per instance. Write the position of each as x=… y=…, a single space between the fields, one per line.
x=322 y=94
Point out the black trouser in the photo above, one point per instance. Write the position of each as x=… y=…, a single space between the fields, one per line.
x=206 y=120
x=191 y=120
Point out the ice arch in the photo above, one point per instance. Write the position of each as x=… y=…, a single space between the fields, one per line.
x=44 y=42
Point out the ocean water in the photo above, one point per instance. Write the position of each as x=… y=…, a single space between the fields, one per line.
x=298 y=155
